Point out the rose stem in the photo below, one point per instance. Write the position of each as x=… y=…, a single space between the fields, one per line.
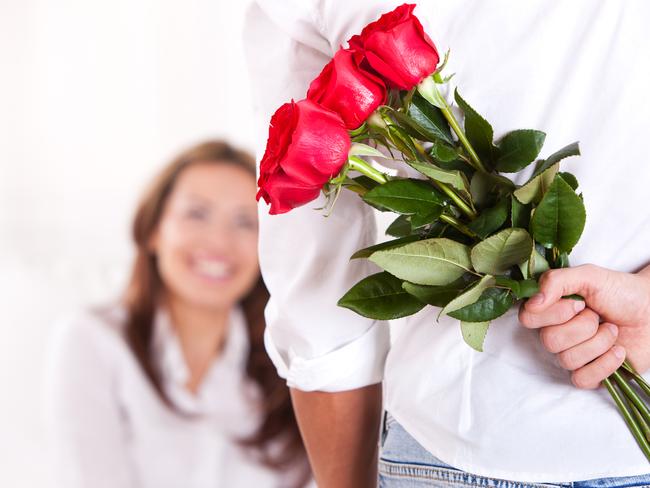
x=637 y=377
x=447 y=190
x=396 y=138
x=460 y=203
x=632 y=395
x=645 y=428
x=459 y=226
x=449 y=115
x=629 y=419
x=362 y=167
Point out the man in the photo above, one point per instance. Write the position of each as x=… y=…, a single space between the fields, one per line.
x=511 y=413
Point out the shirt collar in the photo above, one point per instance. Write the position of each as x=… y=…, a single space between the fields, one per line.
x=226 y=371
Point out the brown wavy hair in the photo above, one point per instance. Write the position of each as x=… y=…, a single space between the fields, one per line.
x=143 y=295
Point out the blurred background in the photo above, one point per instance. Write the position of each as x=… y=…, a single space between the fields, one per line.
x=94 y=98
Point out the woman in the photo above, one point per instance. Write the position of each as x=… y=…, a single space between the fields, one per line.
x=171 y=386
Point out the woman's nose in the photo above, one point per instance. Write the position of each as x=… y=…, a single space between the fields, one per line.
x=219 y=234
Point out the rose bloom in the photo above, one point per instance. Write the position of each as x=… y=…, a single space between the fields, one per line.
x=307 y=146
x=397 y=48
x=346 y=88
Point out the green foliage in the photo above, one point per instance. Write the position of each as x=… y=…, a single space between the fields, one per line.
x=380 y=296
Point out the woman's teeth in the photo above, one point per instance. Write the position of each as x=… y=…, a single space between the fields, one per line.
x=213 y=269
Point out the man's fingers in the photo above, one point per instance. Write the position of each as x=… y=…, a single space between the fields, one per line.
x=582 y=327
x=590 y=376
x=556 y=283
x=558 y=313
x=578 y=356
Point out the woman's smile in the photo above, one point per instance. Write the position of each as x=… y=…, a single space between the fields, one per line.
x=214 y=269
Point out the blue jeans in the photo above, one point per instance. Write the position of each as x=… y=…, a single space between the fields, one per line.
x=403 y=463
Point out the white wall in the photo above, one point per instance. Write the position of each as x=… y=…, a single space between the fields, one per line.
x=94 y=97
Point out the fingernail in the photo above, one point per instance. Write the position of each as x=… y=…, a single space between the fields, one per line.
x=619 y=352
x=536 y=299
x=578 y=305
x=613 y=329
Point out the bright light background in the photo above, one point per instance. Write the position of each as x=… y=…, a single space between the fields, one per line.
x=94 y=98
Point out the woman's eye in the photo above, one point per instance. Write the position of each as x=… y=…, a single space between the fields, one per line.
x=197 y=213
x=244 y=222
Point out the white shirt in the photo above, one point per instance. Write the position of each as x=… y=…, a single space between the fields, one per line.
x=109 y=428
x=578 y=70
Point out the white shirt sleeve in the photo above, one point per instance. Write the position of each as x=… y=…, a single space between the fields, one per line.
x=304 y=256
x=86 y=432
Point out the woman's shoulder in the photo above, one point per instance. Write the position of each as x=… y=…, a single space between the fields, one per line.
x=90 y=330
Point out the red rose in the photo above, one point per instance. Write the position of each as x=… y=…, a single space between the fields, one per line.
x=397 y=48
x=285 y=193
x=307 y=146
x=347 y=89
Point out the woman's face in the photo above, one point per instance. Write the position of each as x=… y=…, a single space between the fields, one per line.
x=206 y=240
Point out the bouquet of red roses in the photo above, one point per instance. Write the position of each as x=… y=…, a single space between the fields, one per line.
x=466 y=238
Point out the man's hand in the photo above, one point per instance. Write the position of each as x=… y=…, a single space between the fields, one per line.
x=592 y=338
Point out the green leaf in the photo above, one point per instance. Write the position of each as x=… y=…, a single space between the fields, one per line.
x=534 y=266
x=457 y=164
x=365 y=182
x=497 y=253
x=520 y=288
x=350 y=184
x=381 y=297
x=430 y=119
x=567 y=151
x=402 y=141
x=438 y=296
x=410 y=125
x=519 y=213
x=561 y=261
x=491 y=219
x=469 y=296
x=452 y=177
x=360 y=149
x=443 y=152
x=437 y=261
x=405 y=196
x=484 y=187
x=559 y=219
x=517 y=149
x=478 y=131
x=570 y=179
x=400 y=227
x=534 y=189
x=452 y=233
x=474 y=334
x=492 y=303
x=437 y=229
x=366 y=252
x=421 y=219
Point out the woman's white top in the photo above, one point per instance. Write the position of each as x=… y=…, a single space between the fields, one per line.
x=577 y=69
x=108 y=428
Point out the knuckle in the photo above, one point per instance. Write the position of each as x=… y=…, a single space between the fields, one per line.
x=586 y=331
x=590 y=321
x=594 y=276
x=606 y=366
x=566 y=311
x=549 y=278
x=591 y=376
x=550 y=340
x=588 y=268
x=583 y=381
x=565 y=358
x=605 y=336
x=525 y=318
